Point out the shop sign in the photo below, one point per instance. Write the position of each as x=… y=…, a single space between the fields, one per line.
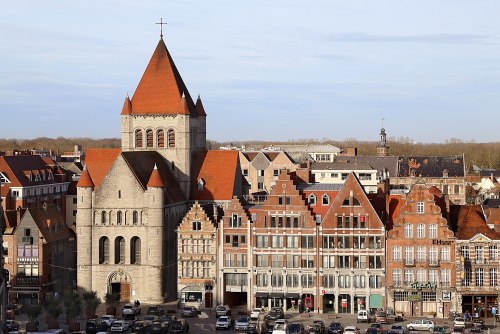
x=344 y=303
x=418 y=285
x=327 y=292
x=446 y=295
x=415 y=298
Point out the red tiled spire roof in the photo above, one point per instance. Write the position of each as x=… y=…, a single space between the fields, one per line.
x=161 y=87
x=183 y=108
x=127 y=107
x=155 y=179
x=85 y=180
x=199 y=107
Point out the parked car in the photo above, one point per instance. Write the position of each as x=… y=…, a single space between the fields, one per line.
x=421 y=325
x=222 y=310
x=296 y=328
x=478 y=323
x=156 y=310
x=380 y=328
x=363 y=316
x=241 y=324
x=224 y=322
x=335 y=328
x=255 y=313
x=398 y=329
x=458 y=330
x=158 y=327
x=167 y=320
x=131 y=309
x=119 y=326
x=371 y=330
x=399 y=317
x=149 y=319
x=189 y=311
x=278 y=323
x=459 y=322
x=352 y=330
x=254 y=327
x=381 y=317
x=439 y=330
x=108 y=319
x=95 y=325
x=12 y=325
x=179 y=326
x=318 y=326
x=275 y=313
x=475 y=330
x=139 y=327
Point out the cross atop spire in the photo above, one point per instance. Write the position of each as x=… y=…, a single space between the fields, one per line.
x=161 y=23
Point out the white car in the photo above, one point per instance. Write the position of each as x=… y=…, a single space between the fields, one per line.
x=459 y=322
x=242 y=324
x=352 y=330
x=130 y=309
x=224 y=322
x=255 y=314
x=421 y=325
x=108 y=319
x=120 y=326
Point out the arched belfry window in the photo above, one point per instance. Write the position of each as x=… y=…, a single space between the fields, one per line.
x=171 y=138
x=103 y=250
x=138 y=138
x=149 y=138
x=160 y=138
x=119 y=250
x=135 y=218
x=135 y=250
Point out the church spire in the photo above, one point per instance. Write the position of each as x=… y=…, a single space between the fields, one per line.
x=382 y=147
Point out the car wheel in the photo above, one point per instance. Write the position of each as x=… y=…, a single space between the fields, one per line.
x=411 y=329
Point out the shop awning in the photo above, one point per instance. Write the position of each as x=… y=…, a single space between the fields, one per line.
x=376 y=301
x=292 y=295
x=261 y=294
x=276 y=294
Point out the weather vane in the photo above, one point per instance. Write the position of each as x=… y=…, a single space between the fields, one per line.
x=161 y=26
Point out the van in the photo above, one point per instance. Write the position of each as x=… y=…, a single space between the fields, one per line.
x=363 y=316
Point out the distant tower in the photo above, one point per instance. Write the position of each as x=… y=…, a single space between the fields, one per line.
x=382 y=147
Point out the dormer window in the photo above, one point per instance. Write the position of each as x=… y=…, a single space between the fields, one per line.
x=312 y=199
x=445 y=173
x=325 y=199
x=201 y=184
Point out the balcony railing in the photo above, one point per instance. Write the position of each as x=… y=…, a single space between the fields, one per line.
x=28 y=281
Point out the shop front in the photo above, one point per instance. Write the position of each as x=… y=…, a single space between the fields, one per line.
x=375 y=302
x=192 y=296
x=262 y=300
x=308 y=301
x=359 y=303
x=328 y=302
x=479 y=305
x=276 y=299
x=292 y=302
x=344 y=303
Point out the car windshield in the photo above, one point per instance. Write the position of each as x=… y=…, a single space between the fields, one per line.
x=335 y=324
x=397 y=327
x=176 y=325
x=223 y=319
x=221 y=308
x=149 y=317
x=243 y=319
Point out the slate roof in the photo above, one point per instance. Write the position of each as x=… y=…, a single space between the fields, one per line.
x=340 y=166
x=389 y=163
x=319 y=186
x=431 y=166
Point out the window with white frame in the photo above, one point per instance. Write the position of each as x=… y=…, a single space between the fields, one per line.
x=408 y=230
x=329 y=281
x=420 y=231
x=420 y=207
x=262 y=280
x=396 y=253
x=421 y=275
x=292 y=281
x=421 y=250
x=493 y=277
x=433 y=254
x=397 y=279
x=277 y=241
x=307 y=280
x=307 y=261
x=479 y=254
x=344 y=281
x=409 y=254
x=433 y=231
x=328 y=242
x=292 y=261
x=433 y=276
x=325 y=199
x=359 y=281
x=493 y=253
x=479 y=277
x=375 y=281
x=465 y=252
x=328 y=261
x=409 y=277
x=445 y=253
x=445 y=278
x=262 y=241
x=343 y=261
x=276 y=280
x=292 y=242
x=261 y=260
x=312 y=199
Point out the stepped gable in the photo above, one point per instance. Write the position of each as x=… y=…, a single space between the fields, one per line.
x=471 y=222
x=142 y=163
x=161 y=89
x=217 y=169
x=98 y=161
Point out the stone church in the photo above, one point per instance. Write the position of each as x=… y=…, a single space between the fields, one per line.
x=131 y=200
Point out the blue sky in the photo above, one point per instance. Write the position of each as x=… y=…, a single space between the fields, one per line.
x=266 y=70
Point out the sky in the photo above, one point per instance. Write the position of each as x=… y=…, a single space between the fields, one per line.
x=265 y=70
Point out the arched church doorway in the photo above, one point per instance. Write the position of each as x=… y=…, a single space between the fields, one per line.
x=120 y=283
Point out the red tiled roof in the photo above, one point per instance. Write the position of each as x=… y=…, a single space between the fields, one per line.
x=85 y=180
x=218 y=170
x=155 y=179
x=471 y=222
x=98 y=162
x=127 y=107
x=161 y=87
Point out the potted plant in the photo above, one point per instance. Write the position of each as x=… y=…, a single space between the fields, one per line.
x=54 y=310
x=110 y=300
x=92 y=302
x=73 y=305
x=33 y=311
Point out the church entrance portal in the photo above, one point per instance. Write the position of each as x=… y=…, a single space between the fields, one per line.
x=120 y=284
